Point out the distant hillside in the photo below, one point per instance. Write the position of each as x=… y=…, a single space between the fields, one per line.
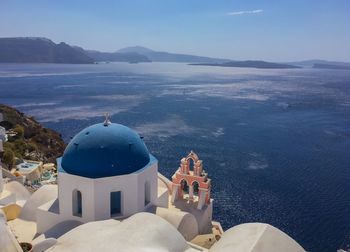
x=170 y=57
x=251 y=64
x=39 y=50
x=131 y=57
x=331 y=66
x=32 y=141
x=311 y=63
x=43 y=50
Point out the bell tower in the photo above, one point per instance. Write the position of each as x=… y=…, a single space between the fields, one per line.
x=191 y=182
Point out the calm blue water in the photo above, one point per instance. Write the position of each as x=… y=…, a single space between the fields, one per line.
x=275 y=142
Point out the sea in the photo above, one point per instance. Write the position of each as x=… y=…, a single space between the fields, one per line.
x=276 y=143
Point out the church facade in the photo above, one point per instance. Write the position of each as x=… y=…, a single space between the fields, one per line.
x=107 y=172
x=110 y=197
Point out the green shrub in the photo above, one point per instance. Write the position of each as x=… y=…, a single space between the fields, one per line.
x=8 y=157
x=19 y=147
x=8 y=145
x=19 y=130
x=18 y=155
x=32 y=147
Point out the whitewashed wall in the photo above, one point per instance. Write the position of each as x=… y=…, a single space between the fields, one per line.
x=96 y=196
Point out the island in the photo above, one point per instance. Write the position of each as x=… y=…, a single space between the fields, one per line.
x=249 y=64
x=331 y=66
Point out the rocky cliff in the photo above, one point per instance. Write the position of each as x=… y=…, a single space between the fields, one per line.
x=28 y=139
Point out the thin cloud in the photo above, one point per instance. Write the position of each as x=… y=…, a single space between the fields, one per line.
x=236 y=13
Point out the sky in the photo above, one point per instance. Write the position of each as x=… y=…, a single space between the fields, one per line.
x=278 y=30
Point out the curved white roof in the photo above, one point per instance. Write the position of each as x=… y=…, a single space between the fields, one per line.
x=24 y=227
x=184 y=222
x=255 y=237
x=22 y=194
x=140 y=232
x=41 y=196
x=57 y=230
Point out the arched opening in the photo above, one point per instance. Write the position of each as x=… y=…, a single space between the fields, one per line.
x=190 y=162
x=77 y=203
x=147 y=193
x=184 y=186
x=116 y=200
x=195 y=185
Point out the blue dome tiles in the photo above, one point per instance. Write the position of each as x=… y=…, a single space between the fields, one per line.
x=104 y=150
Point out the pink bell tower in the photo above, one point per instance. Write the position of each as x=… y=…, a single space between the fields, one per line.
x=191 y=184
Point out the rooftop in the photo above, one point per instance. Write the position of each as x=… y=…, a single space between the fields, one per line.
x=104 y=150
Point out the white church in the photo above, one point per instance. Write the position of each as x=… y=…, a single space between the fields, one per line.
x=110 y=197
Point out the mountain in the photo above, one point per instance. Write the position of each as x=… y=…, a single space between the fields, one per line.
x=39 y=50
x=136 y=49
x=311 y=63
x=331 y=66
x=170 y=57
x=43 y=50
x=251 y=64
x=131 y=57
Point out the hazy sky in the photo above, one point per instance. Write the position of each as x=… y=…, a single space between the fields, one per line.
x=277 y=30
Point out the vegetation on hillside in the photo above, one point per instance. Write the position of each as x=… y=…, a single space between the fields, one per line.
x=28 y=139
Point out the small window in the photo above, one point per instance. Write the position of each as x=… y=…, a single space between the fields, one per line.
x=195 y=188
x=184 y=186
x=116 y=203
x=77 y=203
x=147 y=193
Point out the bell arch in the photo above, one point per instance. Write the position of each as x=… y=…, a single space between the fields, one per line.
x=197 y=166
x=191 y=182
x=195 y=185
x=184 y=186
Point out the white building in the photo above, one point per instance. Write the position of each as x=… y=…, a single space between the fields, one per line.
x=107 y=180
x=1 y=147
x=3 y=136
x=106 y=172
x=1 y=179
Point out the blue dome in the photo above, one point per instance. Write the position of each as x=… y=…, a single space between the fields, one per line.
x=104 y=150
